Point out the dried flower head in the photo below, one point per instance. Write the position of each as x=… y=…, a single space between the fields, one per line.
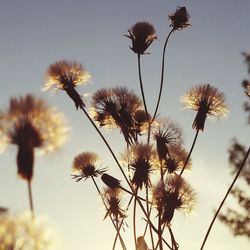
x=141 y=243
x=113 y=204
x=142 y=160
x=207 y=101
x=180 y=19
x=166 y=133
x=30 y=123
x=66 y=75
x=116 y=107
x=176 y=159
x=173 y=195
x=142 y=35
x=86 y=166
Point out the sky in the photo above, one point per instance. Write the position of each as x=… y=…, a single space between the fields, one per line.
x=35 y=34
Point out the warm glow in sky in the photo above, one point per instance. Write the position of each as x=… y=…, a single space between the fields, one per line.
x=35 y=34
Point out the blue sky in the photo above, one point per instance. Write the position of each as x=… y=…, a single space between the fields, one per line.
x=35 y=34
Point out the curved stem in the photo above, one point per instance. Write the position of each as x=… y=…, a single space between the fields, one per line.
x=162 y=74
x=31 y=199
x=141 y=85
x=224 y=199
x=190 y=152
x=116 y=228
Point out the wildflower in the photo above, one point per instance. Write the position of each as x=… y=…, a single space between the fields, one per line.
x=20 y=232
x=180 y=19
x=116 y=107
x=207 y=101
x=246 y=86
x=141 y=243
x=142 y=35
x=113 y=204
x=29 y=123
x=86 y=164
x=176 y=159
x=175 y=194
x=142 y=160
x=164 y=133
x=66 y=75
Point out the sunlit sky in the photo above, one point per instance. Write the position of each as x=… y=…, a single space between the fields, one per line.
x=35 y=34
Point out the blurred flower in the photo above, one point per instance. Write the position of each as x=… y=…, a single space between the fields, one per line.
x=142 y=160
x=112 y=199
x=86 y=166
x=110 y=181
x=176 y=159
x=175 y=194
x=207 y=101
x=19 y=232
x=246 y=86
x=142 y=35
x=29 y=123
x=66 y=75
x=116 y=107
x=180 y=19
x=166 y=132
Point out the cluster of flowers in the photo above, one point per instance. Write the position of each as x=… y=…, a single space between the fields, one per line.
x=154 y=167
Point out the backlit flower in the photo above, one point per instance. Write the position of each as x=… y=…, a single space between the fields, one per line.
x=117 y=107
x=166 y=133
x=180 y=19
x=142 y=160
x=207 y=101
x=86 y=166
x=66 y=75
x=176 y=159
x=174 y=194
x=112 y=199
x=30 y=123
x=142 y=35
x=110 y=181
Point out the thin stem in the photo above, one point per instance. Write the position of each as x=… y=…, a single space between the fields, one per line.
x=141 y=85
x=190 y=152
x=173 y=239
x=134 y=220
x=224 y=199
x=31 y=199
x=162 y=74
x=121 y=240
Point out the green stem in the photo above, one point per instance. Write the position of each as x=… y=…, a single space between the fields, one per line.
x=224 y=199
x=190 y=152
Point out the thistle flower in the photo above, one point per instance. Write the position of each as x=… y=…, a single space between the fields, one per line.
x=246 y=86
x=166 y=132
x=29 y=123
x=176 y=159
x=86 y=166
x=113 y=203
x=142 y=160
x=66 y=75
x=207 y=101
x=142 y=35
x=180 y=19
x=116 y=107
x=175 y=194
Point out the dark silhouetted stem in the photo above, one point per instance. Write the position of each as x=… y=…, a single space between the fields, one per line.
x=175 y=245
x=134 y=220
x=115 y=226
x=190 y=152
x=141 y=86
x=31 y=199
x=162 y=74
x=224 y=199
